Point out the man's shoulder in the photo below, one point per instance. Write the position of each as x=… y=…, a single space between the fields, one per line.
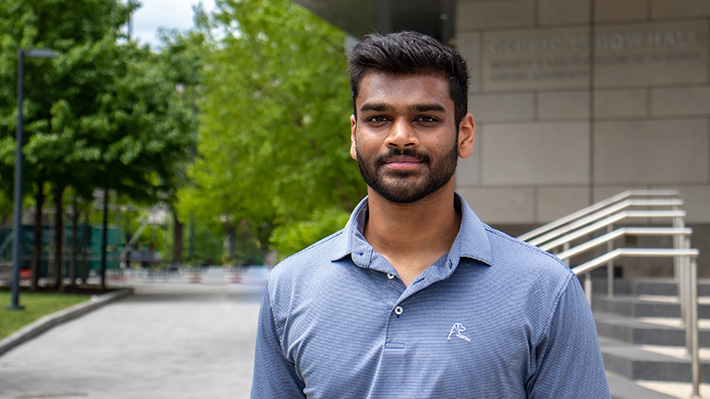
x=504 y=240
x=524 y=257
x=320 y=253
x=326 y=246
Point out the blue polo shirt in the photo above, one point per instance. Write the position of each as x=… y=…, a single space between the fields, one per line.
x=494 y=318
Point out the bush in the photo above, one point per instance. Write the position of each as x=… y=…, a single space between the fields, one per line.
x=292 y=238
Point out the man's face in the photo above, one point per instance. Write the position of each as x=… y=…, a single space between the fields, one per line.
x=404 y=137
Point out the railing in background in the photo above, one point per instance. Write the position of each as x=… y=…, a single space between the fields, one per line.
x=594 y=226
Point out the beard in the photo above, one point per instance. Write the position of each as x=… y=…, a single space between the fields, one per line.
x=407 y=186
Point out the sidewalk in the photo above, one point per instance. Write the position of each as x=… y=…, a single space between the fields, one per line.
x=171 y=339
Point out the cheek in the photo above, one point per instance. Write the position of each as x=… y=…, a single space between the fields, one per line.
x=364 y=144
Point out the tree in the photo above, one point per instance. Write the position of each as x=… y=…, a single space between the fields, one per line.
x=109 y=116
x=182 y=60
x=54 y=148
x=274 y=135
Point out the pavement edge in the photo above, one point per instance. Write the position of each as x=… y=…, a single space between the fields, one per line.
x=47 y=322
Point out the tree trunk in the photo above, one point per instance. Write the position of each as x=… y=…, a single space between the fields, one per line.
x=59 y=235
x=177 y=240
x=104 y=240
x=228 y=243
x=128 y=251
x=74 y=242
x=37 y=243
x=263 y=232
x=86 y=241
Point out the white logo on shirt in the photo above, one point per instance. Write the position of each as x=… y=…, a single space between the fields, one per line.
x=458 y=328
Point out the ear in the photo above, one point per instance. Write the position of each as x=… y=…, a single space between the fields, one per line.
x=353 y=128
x=467 y=130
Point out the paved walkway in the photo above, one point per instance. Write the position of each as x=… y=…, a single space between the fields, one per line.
x=172 y=339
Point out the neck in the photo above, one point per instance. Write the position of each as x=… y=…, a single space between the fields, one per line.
x=413 y=236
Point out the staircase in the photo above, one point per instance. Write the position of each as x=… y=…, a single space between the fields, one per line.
x=643 y=339
x=649 y=329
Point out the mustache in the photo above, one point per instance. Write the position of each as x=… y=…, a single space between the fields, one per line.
x=393 y=152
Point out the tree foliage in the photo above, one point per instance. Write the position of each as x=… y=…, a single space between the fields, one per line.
x=104 y=114
x=274 y=135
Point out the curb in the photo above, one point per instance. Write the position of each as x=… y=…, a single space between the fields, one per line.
x=47 y=322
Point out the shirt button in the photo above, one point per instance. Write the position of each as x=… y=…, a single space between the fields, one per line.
x=398 y=310
x=390 y=276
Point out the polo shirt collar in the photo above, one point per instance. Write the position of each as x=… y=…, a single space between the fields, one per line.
x=471 y=241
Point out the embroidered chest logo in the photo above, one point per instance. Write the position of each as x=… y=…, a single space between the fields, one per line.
x=458 y=329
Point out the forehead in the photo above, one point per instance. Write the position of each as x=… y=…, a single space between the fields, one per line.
x=400 y=89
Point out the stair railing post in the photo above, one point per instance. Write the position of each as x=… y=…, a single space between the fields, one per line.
x=565 y=247
x=610 y=265
x=588 y=288
x=677 y=223
x=693 y=326
x=681 y=267
x=686 y=308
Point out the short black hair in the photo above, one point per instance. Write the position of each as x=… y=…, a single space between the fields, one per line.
x=410 y=53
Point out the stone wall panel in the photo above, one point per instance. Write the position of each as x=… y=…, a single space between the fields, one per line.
x=563 y=105
x=616 y=11
x=474 y=15
x=535 y=154
x=680 y=101
x=502 y=204
x=651 y=152
x=621 y=103
x=515 y=107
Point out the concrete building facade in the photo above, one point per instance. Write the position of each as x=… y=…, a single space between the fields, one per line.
x=574 y=100
x=578 y=100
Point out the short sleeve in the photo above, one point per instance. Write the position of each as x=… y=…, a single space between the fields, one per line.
x=569 y=361
x=274 y=375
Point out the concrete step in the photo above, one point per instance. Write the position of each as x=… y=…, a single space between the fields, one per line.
x=648 y=331
x=645 y=306
x=664 y=287
x=642 y=363
x=622 y=388
x=681 y=390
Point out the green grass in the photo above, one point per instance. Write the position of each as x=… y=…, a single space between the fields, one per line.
x=37 y=305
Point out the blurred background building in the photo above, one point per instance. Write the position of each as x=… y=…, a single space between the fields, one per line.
x=574 y=100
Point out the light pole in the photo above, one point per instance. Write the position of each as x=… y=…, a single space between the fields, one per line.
x=17 y=211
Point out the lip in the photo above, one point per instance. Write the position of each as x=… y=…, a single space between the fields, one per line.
x=403 y=162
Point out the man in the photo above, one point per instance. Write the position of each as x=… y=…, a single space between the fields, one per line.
x=416 y=297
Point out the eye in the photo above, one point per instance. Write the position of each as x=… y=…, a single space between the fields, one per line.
x=426 y=119
x=377 y=120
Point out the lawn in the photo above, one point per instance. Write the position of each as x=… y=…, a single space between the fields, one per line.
x=37 y=305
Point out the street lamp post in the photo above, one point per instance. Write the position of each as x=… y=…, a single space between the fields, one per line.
x=17 y=211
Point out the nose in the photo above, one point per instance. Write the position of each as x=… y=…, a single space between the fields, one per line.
x=401 y=134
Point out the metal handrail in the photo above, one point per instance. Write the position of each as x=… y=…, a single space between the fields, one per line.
x=595 y=207
x=622 y=232
x=603 y=213
x=608 y=221
x=603 y=260
x=602 y=216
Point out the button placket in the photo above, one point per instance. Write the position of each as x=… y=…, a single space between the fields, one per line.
x=395 y=343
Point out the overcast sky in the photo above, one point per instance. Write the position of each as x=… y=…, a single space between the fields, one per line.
x=154 y=14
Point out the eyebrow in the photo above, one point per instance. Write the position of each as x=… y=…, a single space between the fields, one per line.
x=380 y=107
x=377 y=107
x=427 y=107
